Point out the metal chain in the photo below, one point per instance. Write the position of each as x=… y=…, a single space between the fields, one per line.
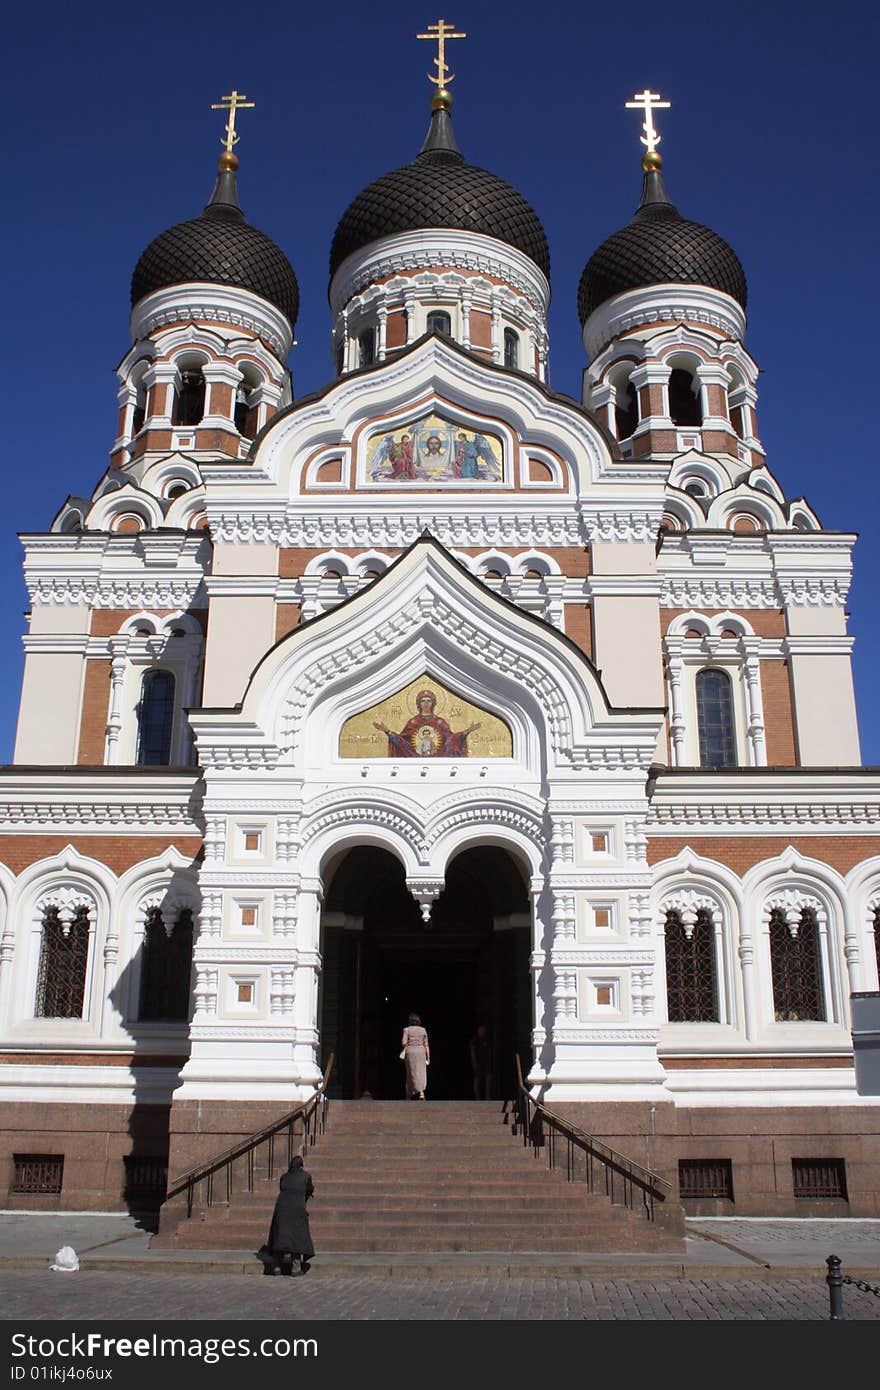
x=860 y=1284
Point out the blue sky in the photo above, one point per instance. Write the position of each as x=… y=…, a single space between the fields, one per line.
x=770 y=140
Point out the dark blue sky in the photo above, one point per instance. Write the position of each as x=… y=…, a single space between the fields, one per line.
x=771 y=140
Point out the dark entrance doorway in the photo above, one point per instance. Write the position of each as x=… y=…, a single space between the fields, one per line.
x=381 y=963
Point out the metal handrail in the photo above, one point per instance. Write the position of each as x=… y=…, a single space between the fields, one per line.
x=532 y=1115
x=313 y=1113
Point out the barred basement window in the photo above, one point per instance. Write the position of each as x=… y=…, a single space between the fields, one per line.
x=37 y=1173
x=795 y=968
x=146 y=1179
x=819 y=1177
x=61 y=974
x=166 y=967
x=705 y=1177
x=691 y=981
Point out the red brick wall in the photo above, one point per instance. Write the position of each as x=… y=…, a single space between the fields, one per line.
x=579 y=626
x=742 y=853
x=18 y=852
x=778 y=714
x=93 y=724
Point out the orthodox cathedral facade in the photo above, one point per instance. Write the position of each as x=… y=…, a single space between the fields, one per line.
x=439 y=691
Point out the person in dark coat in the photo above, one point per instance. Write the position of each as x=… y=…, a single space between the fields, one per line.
x=289 y=1235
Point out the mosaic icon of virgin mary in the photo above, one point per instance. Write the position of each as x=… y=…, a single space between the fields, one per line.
x=426 y=735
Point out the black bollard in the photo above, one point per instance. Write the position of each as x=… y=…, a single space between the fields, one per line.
x=834 y=1280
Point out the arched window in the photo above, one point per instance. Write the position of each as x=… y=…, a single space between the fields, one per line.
x=246 y=411
x=684 y=398
x=139 y=413
x=715 y=719
x=796 y=967
x=61 y=974
x=691 y=979
x=439 y=322
x=155 y=719
x=511 y=348
x=626 y=410
x=366 y=348
x=189 y=397
x=877 y=936
x=166 y=966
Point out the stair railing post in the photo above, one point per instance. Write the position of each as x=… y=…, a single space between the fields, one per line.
x=834 y=1280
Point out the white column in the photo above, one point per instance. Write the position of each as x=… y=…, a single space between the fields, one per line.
x=750 y=647
x=119 y=655
x=496 y=333
x=675 y=670
x=465 y=321
x=305 y=988
x=410 y=310
x=381 y=345
x=747 y=970
x=163 y=377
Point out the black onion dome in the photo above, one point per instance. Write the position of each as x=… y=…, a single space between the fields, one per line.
x=659 y=246
x=440 y=189
x=219 y=247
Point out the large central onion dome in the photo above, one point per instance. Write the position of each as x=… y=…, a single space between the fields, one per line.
x=219 y=248
x=657 y=247
x=440 y=189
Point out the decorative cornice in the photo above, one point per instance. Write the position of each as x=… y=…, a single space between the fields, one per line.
x=668 y=303
x=783 y=817
x=153 y=591
x=196 y=302
x=432 y=249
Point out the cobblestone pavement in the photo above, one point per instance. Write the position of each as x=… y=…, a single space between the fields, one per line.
x=33 y=1294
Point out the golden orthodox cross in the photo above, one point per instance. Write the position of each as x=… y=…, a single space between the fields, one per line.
x=236 y=101
x=440 y=32
x=649 y=102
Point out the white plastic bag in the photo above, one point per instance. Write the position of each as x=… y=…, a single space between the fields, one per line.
x=66 y=1261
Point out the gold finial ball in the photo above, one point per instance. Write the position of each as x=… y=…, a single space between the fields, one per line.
x=441 y=100
x=652 y=160
x=228 y=162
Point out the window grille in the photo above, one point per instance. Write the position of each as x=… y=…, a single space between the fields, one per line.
x=61 y=974
x=877 y=937
x=819 y=1177
x=166 y=967
x=691 y=979
x=796 y=969
x=155 y=719
x=146 y=1179
x=715 y=719
x=705 y=1177
x=37 y=1173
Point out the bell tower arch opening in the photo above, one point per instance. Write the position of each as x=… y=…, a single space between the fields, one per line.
x=469 y=965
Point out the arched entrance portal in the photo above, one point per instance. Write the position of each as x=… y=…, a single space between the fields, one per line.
x=470 y=965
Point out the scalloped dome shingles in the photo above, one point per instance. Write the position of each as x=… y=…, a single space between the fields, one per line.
x=659 y=246
x=218 y=247
x=440 y=189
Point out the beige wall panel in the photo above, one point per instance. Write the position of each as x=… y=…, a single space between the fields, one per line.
x=815 y=620
x=825 y=711
x=626 y=646
x=58 y=618
x=245 y=559
x=240 y=632
x=48 y=729
x=610 y=557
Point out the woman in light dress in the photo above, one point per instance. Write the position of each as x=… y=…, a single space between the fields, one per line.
x=416 y=1057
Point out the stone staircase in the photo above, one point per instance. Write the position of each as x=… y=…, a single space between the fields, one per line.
x=397 y=1176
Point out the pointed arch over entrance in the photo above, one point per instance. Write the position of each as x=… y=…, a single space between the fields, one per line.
x=469 y=965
